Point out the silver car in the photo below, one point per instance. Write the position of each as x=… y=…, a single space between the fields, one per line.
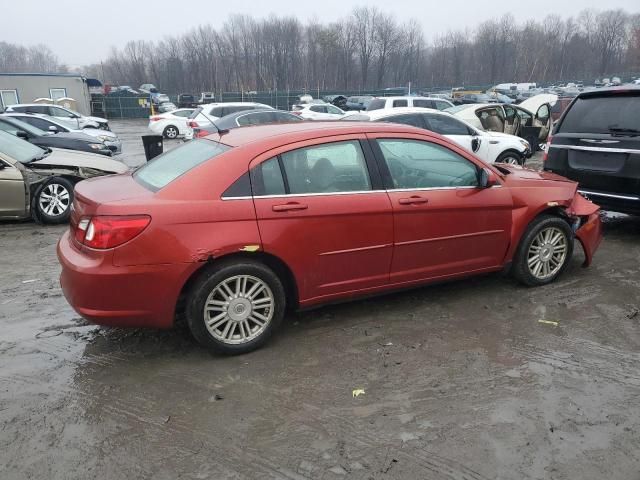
x=38 y=183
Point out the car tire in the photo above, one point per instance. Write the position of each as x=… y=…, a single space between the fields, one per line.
x=171 y=132
x=53 y=201
x=510 y=157
x=544 y=251
x=234 y=307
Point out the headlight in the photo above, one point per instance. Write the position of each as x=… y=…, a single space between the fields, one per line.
x=96 y=146
x=103 y=138
x=524 y=143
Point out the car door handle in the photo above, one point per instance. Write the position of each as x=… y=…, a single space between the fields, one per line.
x=289 y=206
x=413 y=200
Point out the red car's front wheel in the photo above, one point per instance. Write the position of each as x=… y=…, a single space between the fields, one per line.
x=544 y=251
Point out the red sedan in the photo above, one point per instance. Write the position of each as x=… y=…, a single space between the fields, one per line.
x=237 y=227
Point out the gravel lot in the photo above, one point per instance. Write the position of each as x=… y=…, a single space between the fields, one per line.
x=462 y=381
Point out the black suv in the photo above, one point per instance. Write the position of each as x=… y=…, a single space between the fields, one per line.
x=597 y=143
x=186 y=100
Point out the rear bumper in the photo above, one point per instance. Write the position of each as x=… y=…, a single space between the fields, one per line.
x=616 y=202
x=131 y=296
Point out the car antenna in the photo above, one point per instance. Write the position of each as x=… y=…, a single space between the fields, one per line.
x=220 y=132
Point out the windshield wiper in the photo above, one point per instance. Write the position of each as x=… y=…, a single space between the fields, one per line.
x=624 y=131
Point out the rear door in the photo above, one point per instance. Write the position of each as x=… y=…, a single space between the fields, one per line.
x=444 y=223
x=597 y=143
x=321 y=208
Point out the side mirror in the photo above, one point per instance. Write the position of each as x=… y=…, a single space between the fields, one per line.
x=487 y=178
x=22 y=134
x=53 y=128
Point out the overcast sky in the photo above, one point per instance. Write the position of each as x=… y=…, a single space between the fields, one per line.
x=81 y=31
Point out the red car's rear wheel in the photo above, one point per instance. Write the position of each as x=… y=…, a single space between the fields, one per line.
x=235 y=307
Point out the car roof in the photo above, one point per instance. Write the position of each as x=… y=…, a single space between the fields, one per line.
x=48 y=118
x=388 y=112
x=283 y=133
x=228 y=121
x=610 y=91
x=232 y=104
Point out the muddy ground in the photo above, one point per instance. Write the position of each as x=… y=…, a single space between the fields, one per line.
x=461 y=381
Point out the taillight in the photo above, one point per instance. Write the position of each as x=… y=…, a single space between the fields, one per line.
x=547 y=146
x=297 y=112
x=109 y=231
x=192 y=124
x=154 y=119
x=200 y=133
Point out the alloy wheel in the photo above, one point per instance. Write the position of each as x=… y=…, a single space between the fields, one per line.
x=171 y=132
x=54 y=200
x=239 y=309
x=547 y=253
x=510 y=160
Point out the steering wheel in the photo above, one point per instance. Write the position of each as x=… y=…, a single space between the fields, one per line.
x=396 y=169
x=462 y=180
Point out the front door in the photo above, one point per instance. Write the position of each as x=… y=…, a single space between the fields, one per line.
x=543 y=120
x=322 y=211
x=13 y=196
x=444 y=223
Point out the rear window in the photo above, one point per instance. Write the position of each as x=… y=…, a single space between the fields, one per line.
x=601 y=114
x=167 y=167
x=376 y=104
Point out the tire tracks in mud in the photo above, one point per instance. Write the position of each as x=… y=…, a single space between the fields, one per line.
x=613 y=365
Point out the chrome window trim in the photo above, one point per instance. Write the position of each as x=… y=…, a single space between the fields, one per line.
x=609 y=195
x=357 y=192
x=594 y=149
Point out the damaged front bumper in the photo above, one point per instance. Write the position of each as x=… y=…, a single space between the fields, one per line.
x=589 y=232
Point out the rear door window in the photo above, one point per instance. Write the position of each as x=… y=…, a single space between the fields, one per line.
x=330 y=167
x=176 y=162
x=400 y=103
x=606 y=114
x=375 y=104
x=413 y=119
x=423 y=103
x=445 y=124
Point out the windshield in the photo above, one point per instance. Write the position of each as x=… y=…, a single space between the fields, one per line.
x=176 y=162
x=19 y=125
x=19 y=149
x=607 y=114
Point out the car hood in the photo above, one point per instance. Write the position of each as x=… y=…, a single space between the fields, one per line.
x=71 y=158
x=74 y=135
x=500 y=135
x=517 y=173
x=534 y=103
x=97 y=132
x=96 y=119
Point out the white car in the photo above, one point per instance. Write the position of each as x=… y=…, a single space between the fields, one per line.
x=61 y=113
x=318 y=111
x=492 y=147
x=530 y=119
x=383 y=103
x=171 y=124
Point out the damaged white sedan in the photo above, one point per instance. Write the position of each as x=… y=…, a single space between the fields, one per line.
x=38 y=183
